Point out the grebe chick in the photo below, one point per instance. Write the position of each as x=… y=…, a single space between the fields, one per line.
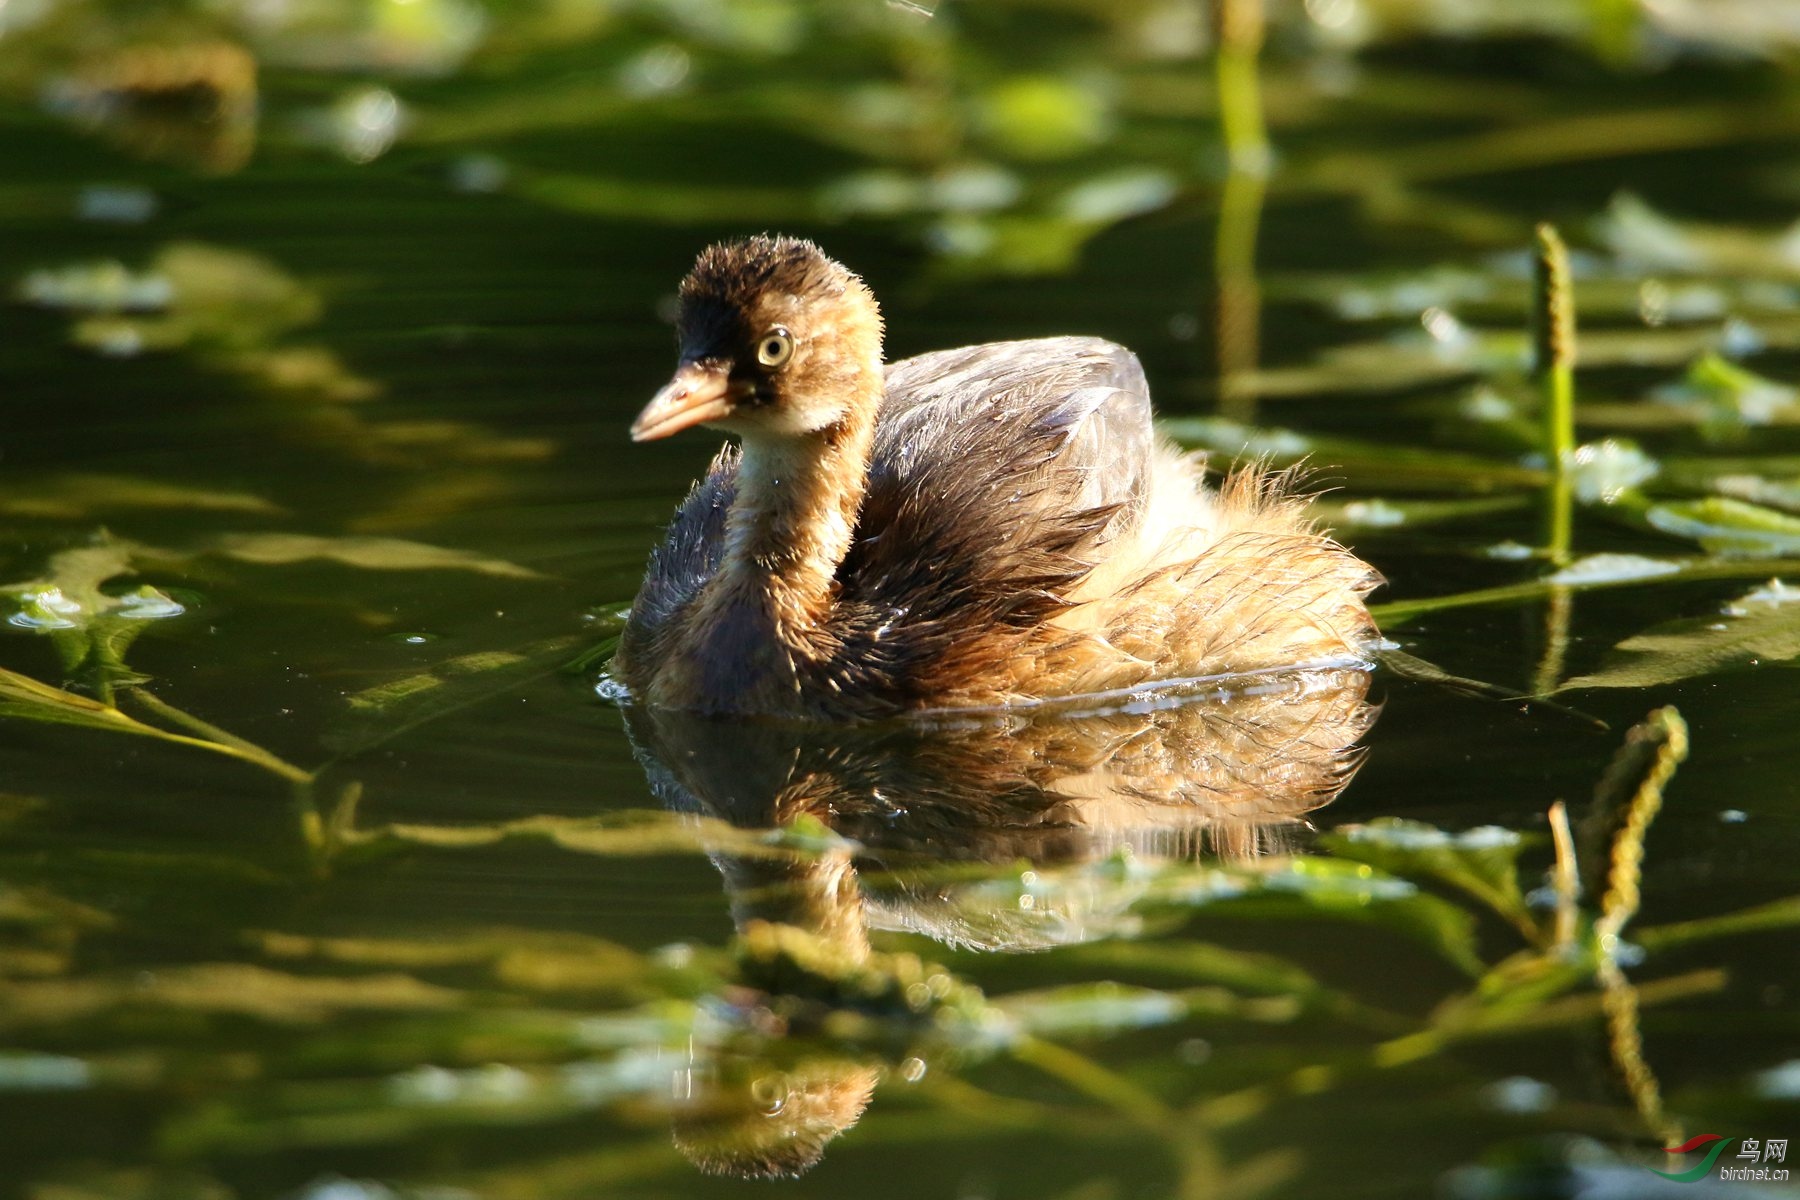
x=976 y=527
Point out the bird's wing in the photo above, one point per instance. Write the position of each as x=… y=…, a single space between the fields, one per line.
x=999 y=474
x=968 y=422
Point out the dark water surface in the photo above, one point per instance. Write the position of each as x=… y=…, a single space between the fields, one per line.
x=315 y=452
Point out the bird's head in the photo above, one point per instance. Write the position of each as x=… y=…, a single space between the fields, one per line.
x=777 y=341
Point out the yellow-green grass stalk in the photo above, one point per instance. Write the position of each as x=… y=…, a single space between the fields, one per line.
x=1553 y=367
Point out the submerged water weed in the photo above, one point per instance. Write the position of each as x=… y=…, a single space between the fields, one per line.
x=509 y=1028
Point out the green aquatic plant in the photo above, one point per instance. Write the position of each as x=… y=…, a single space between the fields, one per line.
x=1762 y=626
x=511 y=1028
x=91 y=620
x=1613 y=479
x=1553 y=364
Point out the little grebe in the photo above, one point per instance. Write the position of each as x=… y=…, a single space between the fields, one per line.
x=977 y=527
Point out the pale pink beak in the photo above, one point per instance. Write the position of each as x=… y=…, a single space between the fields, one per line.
x=700 y=392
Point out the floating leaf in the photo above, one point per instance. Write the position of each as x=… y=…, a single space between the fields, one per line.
x=627 y=834
x=1723 y=397
x=1393 y=365
x=1350 y=892
x=1755 y=489
x=70 y=585
x=1498 y=289
x=1483 y=862
x=1595 y=571
x=229 y=308
x=387 y=710
x=1106 y=199
x=233 y=296
x=90 y=628
x=1376 y=515
x=1044 y=116
x=1320 y=887
x=1393 y=465
x=1612 y=568
x=425 y=1100
x=99 y=287
x=1448 y=351
x=43 y=1073
x=235 y=989
x=1699 y=474
x=75 y=496
x=1100 y=1009
x=1369 y=297
x=530 y=960
x=1647 y=239
x=367 y=553
x=1603 y=471
x=192 y=294
x=1726 y=526
x=1764 y=626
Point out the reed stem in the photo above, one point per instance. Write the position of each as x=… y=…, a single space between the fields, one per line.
x=1553 y=366
x=1238 y=294
x=1567 y=877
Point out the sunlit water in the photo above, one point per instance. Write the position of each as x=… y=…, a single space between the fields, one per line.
x=316 y=433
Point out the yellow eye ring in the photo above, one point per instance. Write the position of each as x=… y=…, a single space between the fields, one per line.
x=775 y=347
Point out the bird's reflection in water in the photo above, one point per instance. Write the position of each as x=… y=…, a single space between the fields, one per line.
x=1224 y=771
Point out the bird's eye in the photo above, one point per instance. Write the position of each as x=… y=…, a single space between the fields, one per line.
x=775 y=348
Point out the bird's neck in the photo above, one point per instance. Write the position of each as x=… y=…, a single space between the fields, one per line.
x=793 y=521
